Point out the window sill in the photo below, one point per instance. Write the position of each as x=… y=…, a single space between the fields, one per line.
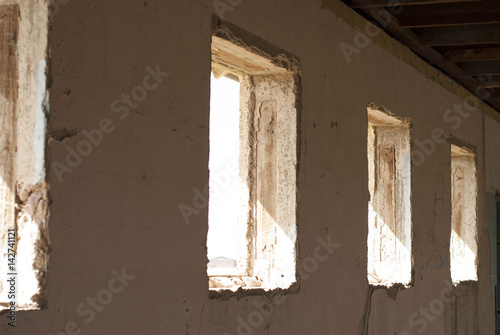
x=239 y=292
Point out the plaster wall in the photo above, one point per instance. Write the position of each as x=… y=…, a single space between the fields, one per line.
x=492 y=184
x=492 y=139
x=115 y=210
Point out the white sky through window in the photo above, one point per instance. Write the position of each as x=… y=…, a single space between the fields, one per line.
x=223 y=163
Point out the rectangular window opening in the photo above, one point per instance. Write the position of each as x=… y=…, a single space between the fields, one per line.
x=389 y=206
x=463 y=240
x=252 y=163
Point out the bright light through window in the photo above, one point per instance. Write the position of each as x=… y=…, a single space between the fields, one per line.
x=463 y=240
x=252 y=228
x=223 y=165
x=389 y=207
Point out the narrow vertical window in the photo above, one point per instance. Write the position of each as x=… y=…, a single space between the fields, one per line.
x=253 y=170
x=463 y=240
x=389 y=207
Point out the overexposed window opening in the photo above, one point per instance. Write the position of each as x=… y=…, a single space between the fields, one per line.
x=389 y=207
x=463 y=239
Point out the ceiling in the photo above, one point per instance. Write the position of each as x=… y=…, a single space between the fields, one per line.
x=460 y=37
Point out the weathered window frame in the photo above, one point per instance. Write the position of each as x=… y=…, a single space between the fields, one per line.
x=24 y=204
x=389 y=240
x=464 y=202
x=268 y=123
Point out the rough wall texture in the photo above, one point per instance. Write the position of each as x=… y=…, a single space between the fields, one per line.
x=492 y=150
x=492 y=185
x=24 y=203
x=119 y=242
x=9 y=29
x=33 y=108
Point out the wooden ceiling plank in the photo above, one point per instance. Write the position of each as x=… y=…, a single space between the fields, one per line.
x=495 y=94
x=448 y=20
x=484 y=81
x=491 y=81
x=495 y=78
x=472 y=55
x=493 y=85
x=390 y=23
x=391 y=3
x=446 y=9
x=481 y=68
x=460 y=35
x=412 y=40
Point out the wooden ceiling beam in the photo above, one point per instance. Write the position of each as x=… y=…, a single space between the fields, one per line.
x=447 y=9
x=389 y=20
x=391 y=24
x=495 y=94
x=493 y=85
x=481 y=68
x=392 y=3
x=472 y=55
x=490 y=81
x=460 y=35
x=431 y=20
